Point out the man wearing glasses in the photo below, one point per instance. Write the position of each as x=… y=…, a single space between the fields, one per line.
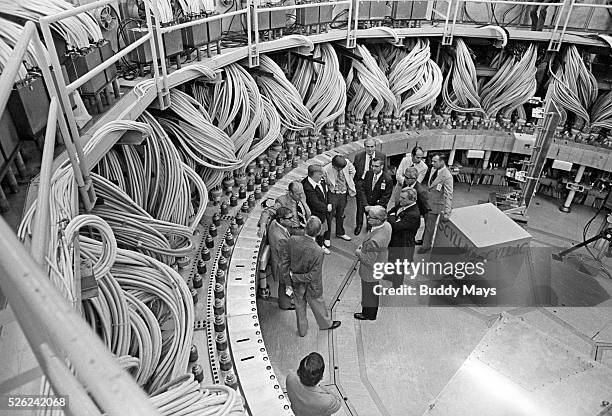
x=373 y=250
x=278 y=237
x=363 y=163
x=295 y=200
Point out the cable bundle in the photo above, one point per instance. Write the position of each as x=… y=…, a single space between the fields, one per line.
x=366 y=84
x=322 y=87
x=10 y=33
x=415 y=79
x=601 y=112
x=512 y=85
x=77 y=30
x=156 y=304
x=573 y=87
x=205 y=143
x=284 y=96
x=185 y=397
x=464 y=95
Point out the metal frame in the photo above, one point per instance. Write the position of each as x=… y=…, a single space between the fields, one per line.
x=557 y=39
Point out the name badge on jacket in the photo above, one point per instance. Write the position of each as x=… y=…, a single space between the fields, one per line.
x=439 y=187
x=383 y=186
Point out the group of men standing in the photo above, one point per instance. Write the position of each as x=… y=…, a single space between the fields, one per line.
x=300 y=235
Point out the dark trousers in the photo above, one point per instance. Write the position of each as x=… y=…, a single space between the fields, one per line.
x=325 y=218
x=338 y=202
x=399 y=253
x=360 y=207
x=369 y=301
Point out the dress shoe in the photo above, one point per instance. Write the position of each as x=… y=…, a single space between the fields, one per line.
x=327 y=243
x=423 y=250
x=289 y=308
x=418 y=242
x=358 y=230
x=345 y=237
x=361 y=317
x=335 y=325
x=326 y=250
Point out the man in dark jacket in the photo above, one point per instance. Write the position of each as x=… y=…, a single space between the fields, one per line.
x=304 y=263
x=316 y=192
x=363 y=163
x=405 y=221
x=376 y=188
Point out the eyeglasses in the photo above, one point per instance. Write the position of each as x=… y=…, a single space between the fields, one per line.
x=288 y=218
x=409 y=177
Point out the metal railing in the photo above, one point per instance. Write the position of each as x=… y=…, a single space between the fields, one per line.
x=59 y=338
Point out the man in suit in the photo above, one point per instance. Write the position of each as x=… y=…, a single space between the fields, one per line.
x=306 y=396
x=405 y=220
x=304 y=265
x=440 y=187
x=373 y=250
x=410 y=182
x=413 y=159
x=339 y=178
x=278 y=237
x=363 y=163
x=377 y=186
x=295 y=200
x=315 y=191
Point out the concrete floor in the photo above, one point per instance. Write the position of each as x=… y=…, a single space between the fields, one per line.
x=410 y=361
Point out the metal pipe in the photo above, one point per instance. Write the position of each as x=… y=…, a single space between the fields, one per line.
x=154 y=42
x=77 y=10
x=40 y=232
x=185 y=25
x=95 y=71
x=42 y=312
x=65 y=384
x=348 y=25
x=596 y=6
x=7 y=79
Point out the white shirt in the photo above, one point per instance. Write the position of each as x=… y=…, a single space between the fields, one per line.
x=315 y=185
x=375 y=179
x=406 y=163
x=402 y=209
x=367 y=163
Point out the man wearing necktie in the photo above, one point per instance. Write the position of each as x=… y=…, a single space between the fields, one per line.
x=373 y=250
x=440 y=187
x=315 y=190
x=363 y=163
x=405 y=220
x=377 y=186
x=339 y=178
x=295 y=200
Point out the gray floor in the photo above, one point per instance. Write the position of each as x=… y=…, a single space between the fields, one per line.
x=411 y=357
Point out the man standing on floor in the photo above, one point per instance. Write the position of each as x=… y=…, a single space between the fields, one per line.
x=306 y=396
x=339 y=178
x=377 y=186
x=278 y=237
x=415 y=160
x=405 y=221
x=304 y=264
x=440 y=186
x=363 y=163
x=295 y=200
x=317 y=199
x=373 y=250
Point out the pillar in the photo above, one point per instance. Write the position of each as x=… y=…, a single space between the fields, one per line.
x=451 y=157
x=568 y=201
x=487 y=157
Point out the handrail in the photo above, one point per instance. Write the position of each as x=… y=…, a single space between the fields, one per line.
x=46 y=318
x=40 y=232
